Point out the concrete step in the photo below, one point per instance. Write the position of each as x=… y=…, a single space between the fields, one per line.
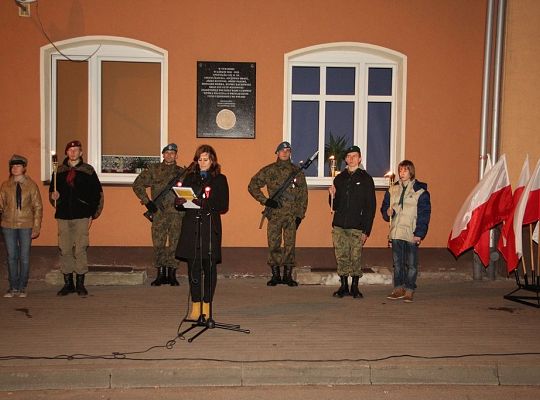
x=123 y=275
x=371 y=276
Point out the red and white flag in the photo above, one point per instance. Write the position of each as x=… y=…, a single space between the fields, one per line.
x=481 y=248
x=507 y=241
x=488 y=204
x=528 y=208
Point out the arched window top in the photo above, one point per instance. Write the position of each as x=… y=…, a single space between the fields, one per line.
x=344 y=51
x=105 y=46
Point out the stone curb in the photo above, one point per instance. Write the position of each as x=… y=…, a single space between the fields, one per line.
x=128 y=278
x=262 y=374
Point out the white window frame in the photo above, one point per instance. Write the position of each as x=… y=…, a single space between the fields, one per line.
x=362 y=56
x=101 y=48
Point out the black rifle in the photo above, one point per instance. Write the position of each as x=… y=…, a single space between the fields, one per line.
x=159 y=198
x=277 y=195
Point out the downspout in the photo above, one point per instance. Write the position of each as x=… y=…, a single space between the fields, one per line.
x=478 y=268
x=497 y=79
x=495 y=125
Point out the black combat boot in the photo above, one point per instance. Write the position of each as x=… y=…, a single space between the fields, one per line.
x=161 y=277
x=276 y=276
x=81 y=290
x=69 y=286
x=344 y=288
x=287 y=277
x=354 y=288
x=171 y=277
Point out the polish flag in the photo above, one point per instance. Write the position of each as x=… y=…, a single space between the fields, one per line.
x=528 y=208
x=507 y=241
x=481 y=248
x=488 y=204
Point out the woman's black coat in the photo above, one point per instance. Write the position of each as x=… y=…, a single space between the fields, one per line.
x=191 y=245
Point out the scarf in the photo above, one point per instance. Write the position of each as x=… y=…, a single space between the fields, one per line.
x=70 y=179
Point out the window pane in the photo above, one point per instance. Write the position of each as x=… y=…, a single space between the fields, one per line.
x=340 y=80
x=378 y=151
x=340 y=124
x=305 y=80
x=71 y=104
x=305 y=132
x=130 y=108
x=380 y=82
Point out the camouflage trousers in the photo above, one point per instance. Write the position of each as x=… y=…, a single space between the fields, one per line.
x=281 y=228
x=348 y=249
x=166 y=229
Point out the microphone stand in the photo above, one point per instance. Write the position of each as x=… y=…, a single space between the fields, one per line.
x=207 y=321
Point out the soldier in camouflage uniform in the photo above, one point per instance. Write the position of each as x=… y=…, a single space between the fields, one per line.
x=286 y=212
x=354 y=209
x=166 y=221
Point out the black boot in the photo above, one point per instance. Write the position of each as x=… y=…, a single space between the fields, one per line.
x=69 y=286
x=354 y=288
x=344 y=288
x=161 y=277
x=81 y=290
x=287 y=277
x=171 y=277
x=276 y=276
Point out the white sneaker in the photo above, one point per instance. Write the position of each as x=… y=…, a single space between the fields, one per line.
x=22 y=293
x=10 y=293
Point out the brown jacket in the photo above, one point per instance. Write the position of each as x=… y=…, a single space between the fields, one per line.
x=31 y=212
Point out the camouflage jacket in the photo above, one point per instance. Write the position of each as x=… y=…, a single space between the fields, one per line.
x=294 y=200
x=156 y=177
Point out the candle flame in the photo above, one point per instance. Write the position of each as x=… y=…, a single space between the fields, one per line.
x=389 y=174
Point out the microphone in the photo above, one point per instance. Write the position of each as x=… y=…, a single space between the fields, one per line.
x=207 y=191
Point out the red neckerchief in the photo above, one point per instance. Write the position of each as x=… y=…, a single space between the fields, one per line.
x=70 y=179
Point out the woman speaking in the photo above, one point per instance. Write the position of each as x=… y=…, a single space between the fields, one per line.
x=200 y=238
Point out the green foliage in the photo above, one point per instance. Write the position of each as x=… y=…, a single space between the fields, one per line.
x=336 y=147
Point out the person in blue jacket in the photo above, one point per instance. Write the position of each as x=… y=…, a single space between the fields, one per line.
x=407 y=206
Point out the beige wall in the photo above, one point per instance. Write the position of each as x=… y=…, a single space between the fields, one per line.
x=520 y=122
x=442 y=39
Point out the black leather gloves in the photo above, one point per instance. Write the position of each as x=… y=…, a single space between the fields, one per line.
x=271 y=203
x=151 y=206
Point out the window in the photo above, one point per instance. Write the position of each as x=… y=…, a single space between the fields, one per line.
x=110 y=94
x=342 y=94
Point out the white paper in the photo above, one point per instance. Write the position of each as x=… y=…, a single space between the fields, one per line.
x=187 y=194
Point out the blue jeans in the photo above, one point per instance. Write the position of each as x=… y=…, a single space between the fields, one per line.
x=405 y=257
x=18 y=243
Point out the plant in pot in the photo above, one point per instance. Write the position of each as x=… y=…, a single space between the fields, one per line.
x=140 y=164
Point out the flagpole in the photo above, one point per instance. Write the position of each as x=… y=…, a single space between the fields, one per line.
x=531 y=242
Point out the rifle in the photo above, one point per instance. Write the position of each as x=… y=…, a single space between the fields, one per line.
x=276 y=196
x=159 y=198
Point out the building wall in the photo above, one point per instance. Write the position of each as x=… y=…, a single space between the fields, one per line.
x=443 y=41
x=520 y=133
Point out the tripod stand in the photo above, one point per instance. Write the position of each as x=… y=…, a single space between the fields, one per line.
x=206 y=321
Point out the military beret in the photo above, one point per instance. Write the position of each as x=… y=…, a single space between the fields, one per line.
x=282 y=146
x=353 y=149
x=73 y=143
x=170 y=147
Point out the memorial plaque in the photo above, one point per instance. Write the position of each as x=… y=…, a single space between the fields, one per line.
x=225 y=99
